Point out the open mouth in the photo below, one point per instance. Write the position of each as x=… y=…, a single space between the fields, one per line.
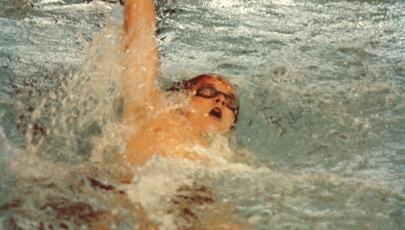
x=216 y=112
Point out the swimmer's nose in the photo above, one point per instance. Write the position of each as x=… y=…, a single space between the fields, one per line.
x=220 y=99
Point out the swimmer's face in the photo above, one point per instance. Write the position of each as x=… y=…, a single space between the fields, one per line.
x=213 y=105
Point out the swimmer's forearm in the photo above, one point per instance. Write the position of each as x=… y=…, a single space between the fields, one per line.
x=142 y=65
x=139 y=18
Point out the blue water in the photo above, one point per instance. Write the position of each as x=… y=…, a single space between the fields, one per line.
x=319 y=144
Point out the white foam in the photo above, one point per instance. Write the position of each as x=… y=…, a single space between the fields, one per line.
x=51 y=1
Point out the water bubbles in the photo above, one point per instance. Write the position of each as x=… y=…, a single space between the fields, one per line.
x=321 y=90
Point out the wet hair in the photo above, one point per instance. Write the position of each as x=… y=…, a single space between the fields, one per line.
x=191 y=83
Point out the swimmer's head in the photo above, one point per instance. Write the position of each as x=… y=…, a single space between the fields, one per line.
x=215 y=107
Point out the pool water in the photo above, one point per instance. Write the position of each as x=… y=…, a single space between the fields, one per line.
x=319 y=143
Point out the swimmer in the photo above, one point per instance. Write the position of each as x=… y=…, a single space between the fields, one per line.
x=208 y=103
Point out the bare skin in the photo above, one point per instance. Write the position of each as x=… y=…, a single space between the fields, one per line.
x=159 y=124
x=156 y=129
x=200 y=116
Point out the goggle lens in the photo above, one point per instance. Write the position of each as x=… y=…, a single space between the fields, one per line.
x=210 y=92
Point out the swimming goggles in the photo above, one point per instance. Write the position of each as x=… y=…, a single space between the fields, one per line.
x=210 y=92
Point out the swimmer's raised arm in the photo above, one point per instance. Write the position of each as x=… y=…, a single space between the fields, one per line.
x=142 y=65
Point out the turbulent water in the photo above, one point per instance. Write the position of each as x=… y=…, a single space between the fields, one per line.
x=319 y=145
